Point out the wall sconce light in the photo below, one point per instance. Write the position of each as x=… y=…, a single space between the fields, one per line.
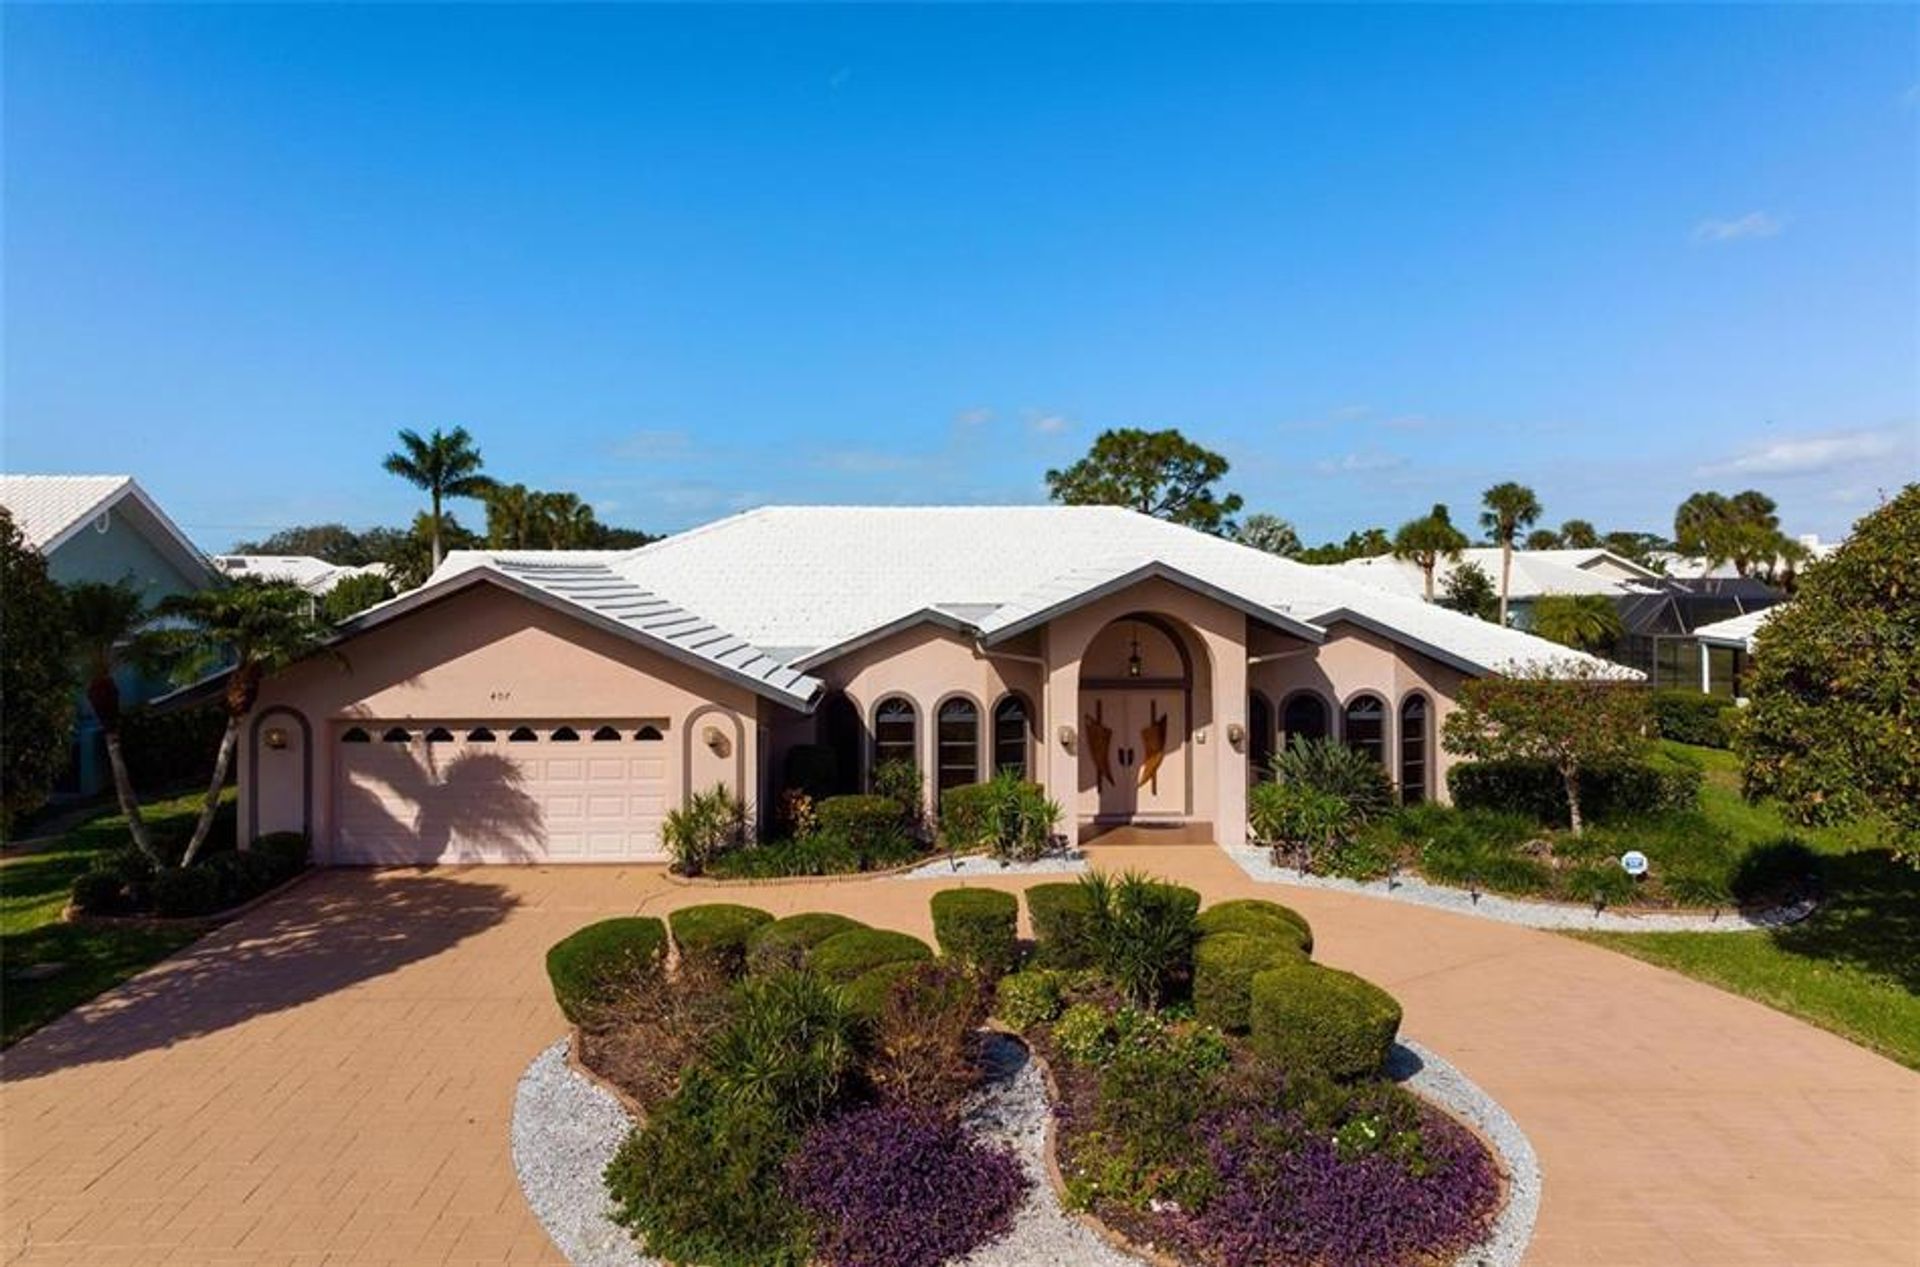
x=714 y=739
x=276 y=737
x=1237 y=735
x=1134 y=663
x=1067 y=738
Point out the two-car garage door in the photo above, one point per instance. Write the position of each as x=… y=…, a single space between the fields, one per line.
x=499 y=791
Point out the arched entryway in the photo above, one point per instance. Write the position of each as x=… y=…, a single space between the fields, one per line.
x=1136 y=719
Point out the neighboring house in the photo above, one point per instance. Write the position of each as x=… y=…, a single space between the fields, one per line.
x=316 y=576
x=1688 y=567
x=1726 y=651
x=103 y=528
x=1536 y=573
x=554 y=706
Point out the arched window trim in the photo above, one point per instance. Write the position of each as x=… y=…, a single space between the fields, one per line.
x=1386 y=723
x=606 y=734
x=564 y=734
x=480 y=734
x=1426 y=746
x=874 y=743
x=523 y=734
x=1330 y=715
x=396 y=734
x=1027 y=732
x=439 y=734
x=648 y=734
x=355 y=734
x=940 y=747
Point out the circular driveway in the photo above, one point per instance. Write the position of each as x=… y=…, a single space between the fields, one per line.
x=332 y=1075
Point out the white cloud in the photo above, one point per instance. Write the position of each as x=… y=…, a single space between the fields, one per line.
x=1819 y=454
x=654 y=444
x=1360 y=463
x=1753 y=225
x=1048 y=424
x=866 y=461
x=977 y=416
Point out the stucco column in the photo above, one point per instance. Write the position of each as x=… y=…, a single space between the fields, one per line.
x=1229 y=710
x=1059 y=766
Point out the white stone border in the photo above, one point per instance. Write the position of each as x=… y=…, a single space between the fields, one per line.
x=1258 y=864
x=972 y=865
x=566 y=1129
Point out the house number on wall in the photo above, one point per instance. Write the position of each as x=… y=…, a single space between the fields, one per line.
x=499 y=695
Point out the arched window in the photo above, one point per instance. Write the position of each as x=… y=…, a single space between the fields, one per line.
x=838 y=728
x=1367 y=726
x=896 y=730
x=1304 y=716
x=1259 y=737
x=355 y=735
x=439 y=734
x=959 y=735
x=565 y=734
x=1413 y=750
x=648 y=734
x=523 y=734
x=606 y=734
x=479 y=734
x=1012 y=736
x=396 y=735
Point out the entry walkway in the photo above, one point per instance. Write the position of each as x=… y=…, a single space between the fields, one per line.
x=330 y=1078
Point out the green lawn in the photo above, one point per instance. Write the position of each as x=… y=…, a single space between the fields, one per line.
x=33 y=889
x=1853 y=967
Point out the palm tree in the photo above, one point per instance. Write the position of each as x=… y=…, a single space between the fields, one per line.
x=513 y=517
x=1585 y=622
x=444 y=465
x=1426 y=541
x=110 y=627
x=259 y=626
x=568 y=521
x=1579 y=534
x=1509 y=508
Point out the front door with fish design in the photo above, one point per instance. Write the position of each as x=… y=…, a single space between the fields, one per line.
x=1133 y=755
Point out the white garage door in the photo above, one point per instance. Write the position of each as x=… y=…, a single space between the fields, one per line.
x=499 y=791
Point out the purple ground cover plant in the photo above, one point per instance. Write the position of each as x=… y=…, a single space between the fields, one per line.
x=899 y=1186
x=1287 y=1195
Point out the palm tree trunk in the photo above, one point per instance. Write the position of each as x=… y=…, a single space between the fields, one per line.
x=129 y=803
x=1427 y=572
x=1506 y=575
x=1571 y=778
x=436 y=530
x=204 y=826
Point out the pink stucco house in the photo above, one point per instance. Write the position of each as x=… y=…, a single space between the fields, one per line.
x=553 y=707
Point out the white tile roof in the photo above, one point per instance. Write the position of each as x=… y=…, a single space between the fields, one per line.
x=801 y=579
x=1535 y=573
x=1735 y=631
x=51 y=509
x=316 y=576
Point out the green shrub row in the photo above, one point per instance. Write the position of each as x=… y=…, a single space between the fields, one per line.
x=846 y=956
x=785 y=943
x=1305 y=1016
x=125 y=882
x=1695 y=717
x=717 y=933
x=1007 y=816
x=1662 y=783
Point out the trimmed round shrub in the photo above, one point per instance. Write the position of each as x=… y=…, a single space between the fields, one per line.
x=1063 y=926
x=901 y=1186
x=1224 y=965
x=99 y=893
x=867 y=993
x=286 y=852
x=1691 y=717
x=179 y=892
x=846 y=956
x=583 y=966
x=717 y=932
x=873 y=828
x=977 y=927
x=1259 y=918
x=1321 y=1020
x=784 y=943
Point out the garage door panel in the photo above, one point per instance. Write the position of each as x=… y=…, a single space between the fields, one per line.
x=461 y=800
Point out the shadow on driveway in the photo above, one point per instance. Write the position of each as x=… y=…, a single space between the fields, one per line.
x=334 y=930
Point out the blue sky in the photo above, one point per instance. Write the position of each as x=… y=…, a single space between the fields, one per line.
x=689 y=260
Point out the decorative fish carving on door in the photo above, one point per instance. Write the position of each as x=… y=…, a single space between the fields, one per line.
x=1100 y=747
x=1153 y=736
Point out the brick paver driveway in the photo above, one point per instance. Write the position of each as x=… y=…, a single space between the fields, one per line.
x=330 y=1077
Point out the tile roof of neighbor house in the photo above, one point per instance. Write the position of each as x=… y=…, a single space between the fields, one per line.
x=1735 y=631
x=1535 y=572
x=50 y=509
x=797 y=582
x=316 y=576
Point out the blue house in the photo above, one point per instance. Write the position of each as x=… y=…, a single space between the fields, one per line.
x=104 y=528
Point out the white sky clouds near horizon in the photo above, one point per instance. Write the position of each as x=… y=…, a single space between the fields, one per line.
x=687 y=259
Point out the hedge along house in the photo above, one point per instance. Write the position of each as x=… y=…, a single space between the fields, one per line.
x=554 y=706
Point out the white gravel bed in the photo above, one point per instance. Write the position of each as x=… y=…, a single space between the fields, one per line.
x=1072 y=862
x=565 y=1131
x=1258 y=864
x=1440 y=1083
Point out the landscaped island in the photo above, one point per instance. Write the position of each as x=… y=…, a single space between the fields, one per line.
x=804 y=1084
